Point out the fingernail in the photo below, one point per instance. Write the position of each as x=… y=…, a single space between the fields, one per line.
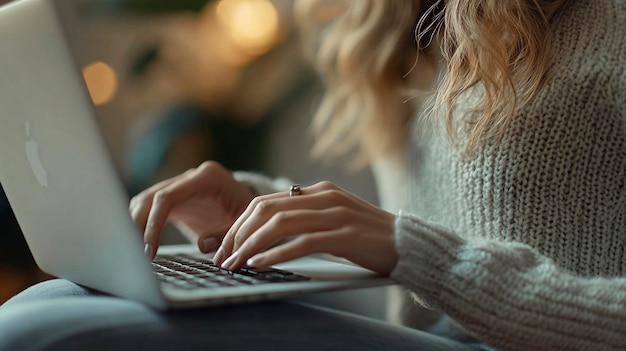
x=230 y=261
x=208 y=244
x=256 y=261
x=217 y=258
x=148 y=250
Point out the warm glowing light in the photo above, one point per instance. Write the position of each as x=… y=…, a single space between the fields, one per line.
x=252 y=24
x=101 y=81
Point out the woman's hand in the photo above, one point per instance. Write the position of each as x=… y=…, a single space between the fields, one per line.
x=203 y=202
x=323 y=219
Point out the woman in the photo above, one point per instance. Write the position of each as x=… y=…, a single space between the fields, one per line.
x=513 y=216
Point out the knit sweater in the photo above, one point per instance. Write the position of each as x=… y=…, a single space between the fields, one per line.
x=524 y=243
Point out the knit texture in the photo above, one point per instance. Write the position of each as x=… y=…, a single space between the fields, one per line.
x=524 y=243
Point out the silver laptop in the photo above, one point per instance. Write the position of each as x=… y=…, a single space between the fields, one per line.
x=71 y=204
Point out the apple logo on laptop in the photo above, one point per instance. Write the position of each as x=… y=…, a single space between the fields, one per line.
x=32 y=153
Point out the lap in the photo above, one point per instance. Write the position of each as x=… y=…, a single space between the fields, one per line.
x=59 y=315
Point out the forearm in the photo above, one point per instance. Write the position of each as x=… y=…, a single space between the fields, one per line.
x=507 y=294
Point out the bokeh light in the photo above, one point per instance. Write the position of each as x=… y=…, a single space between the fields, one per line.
x=102 y=82
x=252 y=24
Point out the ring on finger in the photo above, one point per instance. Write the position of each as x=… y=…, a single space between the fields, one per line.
x=295 y=190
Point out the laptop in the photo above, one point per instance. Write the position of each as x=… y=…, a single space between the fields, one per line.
x=70 y=201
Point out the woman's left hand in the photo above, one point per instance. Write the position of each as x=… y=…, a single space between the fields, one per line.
x=323 y=219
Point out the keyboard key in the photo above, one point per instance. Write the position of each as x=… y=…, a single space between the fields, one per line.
x=188 y=272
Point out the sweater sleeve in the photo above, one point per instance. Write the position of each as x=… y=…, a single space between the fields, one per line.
x=507 y=294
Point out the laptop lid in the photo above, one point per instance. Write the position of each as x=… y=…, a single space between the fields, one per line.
x=64 y=188
x=54 y=165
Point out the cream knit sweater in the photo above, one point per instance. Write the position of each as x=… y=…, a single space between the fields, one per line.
x=524 y=244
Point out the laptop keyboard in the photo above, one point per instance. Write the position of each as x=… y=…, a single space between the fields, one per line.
x=190 y=273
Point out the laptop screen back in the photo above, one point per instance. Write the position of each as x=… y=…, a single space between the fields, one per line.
x=54 y=166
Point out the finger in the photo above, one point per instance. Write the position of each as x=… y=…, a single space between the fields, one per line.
x=207 y=240
x=347 y=226
x=321 y=242
x=263 y=207
x=210 y=240
x=163 y=202
x=283 y=225
x=225 y=250
x=260 y=211
x=318 y=197
x=259 y=201
x=338 y=242
x=141 y=203
x=139 y=211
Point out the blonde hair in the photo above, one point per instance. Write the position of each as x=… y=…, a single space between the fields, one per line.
x=365 y=49
x=499 y=47
x=360 y=49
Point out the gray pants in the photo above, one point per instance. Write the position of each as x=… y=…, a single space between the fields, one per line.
x=59 y=315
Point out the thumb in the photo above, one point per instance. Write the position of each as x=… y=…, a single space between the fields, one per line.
x=211 y=240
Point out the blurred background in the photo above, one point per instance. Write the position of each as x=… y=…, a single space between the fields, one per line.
x=178 y=82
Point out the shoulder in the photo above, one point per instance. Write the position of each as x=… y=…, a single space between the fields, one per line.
x=589 y=54
x=594 y=22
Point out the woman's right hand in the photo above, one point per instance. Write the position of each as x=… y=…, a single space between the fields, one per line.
x=203 y=203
